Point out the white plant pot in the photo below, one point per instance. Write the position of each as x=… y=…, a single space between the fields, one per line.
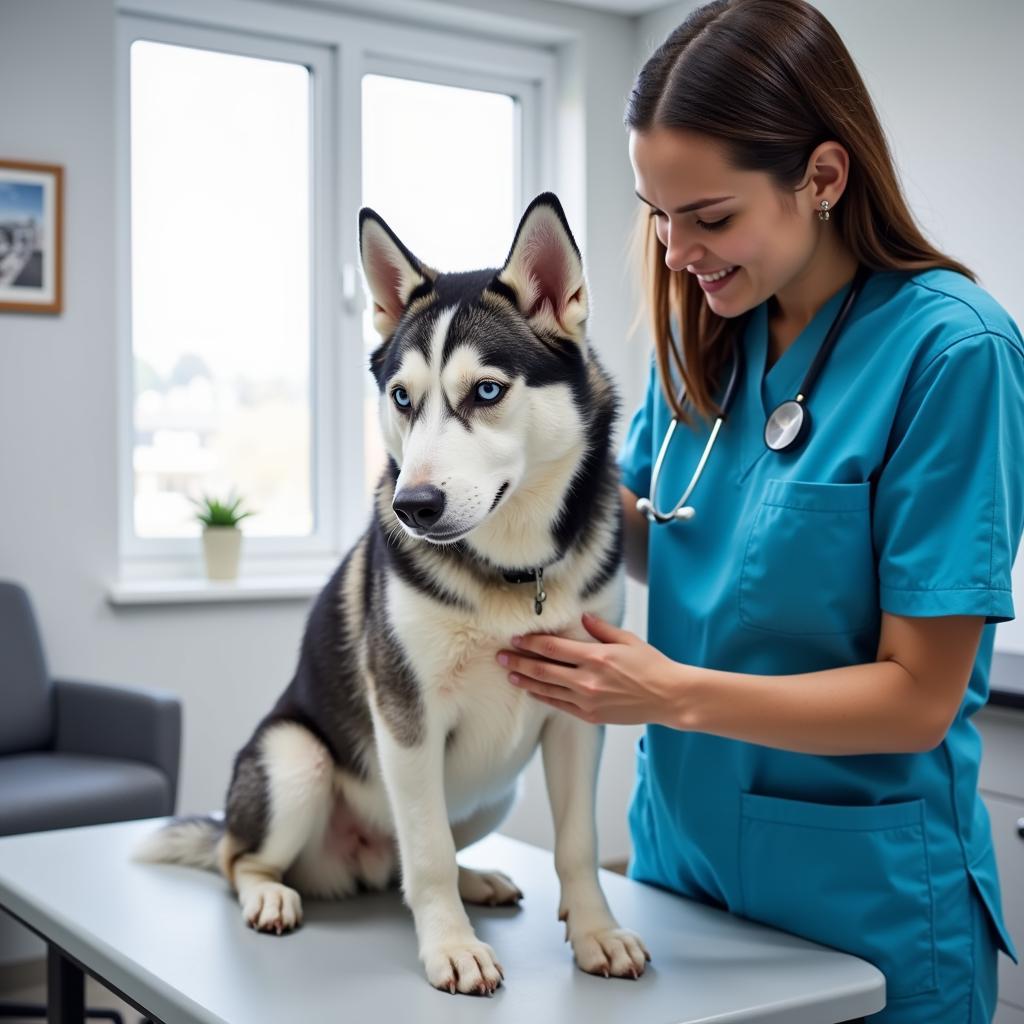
x=222 y=546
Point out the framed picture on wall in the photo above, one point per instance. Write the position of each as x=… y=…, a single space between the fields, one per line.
x=31 y=228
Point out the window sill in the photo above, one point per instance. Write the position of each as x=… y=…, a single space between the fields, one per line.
x=197 y=590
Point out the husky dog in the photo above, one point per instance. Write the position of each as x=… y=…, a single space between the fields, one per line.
x=399 y=740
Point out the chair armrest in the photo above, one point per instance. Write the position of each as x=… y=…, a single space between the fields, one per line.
x=120 y=721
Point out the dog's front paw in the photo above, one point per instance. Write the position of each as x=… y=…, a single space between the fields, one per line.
x=611 y=952
x=492 y=888
x=272 y=907
x=470 y=967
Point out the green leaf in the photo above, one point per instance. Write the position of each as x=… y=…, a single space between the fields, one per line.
x=214 y=512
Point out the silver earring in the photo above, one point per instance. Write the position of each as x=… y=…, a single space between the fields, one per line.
x=823 y=212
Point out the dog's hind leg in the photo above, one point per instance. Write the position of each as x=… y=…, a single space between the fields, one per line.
x=493 y=888
x=297 y=771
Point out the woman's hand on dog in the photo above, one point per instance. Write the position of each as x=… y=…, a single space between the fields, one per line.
x=620 y=681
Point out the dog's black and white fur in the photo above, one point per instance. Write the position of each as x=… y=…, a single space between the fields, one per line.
x=399 y=739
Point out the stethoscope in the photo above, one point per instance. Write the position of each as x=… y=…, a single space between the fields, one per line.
x=786 y=428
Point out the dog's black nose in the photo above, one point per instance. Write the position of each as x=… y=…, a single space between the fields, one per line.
x=419 y=506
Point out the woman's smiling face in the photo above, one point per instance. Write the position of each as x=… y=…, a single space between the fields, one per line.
x=748 y=226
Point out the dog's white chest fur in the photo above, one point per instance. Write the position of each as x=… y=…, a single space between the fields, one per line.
x=493 y=726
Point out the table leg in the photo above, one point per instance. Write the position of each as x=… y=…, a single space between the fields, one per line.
x=65 y=988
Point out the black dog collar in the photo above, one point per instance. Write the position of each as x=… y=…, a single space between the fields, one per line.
x=528 y=576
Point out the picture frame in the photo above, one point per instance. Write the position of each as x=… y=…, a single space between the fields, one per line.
x=31 y=237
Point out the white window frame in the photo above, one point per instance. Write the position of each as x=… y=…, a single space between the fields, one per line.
x=339 y=49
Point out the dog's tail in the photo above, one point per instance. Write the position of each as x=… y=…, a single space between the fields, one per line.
x=192 y=841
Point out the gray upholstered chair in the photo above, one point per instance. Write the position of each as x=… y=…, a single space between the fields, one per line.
x=76 y=753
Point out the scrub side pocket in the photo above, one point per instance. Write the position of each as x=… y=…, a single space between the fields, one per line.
x=809 y=564
x=643 y=865
x=855 y=878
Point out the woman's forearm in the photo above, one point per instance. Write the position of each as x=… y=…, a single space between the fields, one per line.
x=872 y=708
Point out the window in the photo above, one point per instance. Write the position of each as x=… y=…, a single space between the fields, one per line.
x=221 y=260
x=246 y=153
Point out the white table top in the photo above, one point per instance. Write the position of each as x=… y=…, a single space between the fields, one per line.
x=173 y=939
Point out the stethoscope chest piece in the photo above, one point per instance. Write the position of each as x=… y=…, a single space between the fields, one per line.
x=788 y=426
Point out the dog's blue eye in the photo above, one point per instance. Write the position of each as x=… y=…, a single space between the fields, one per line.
x=489 y=391
x=401 y=397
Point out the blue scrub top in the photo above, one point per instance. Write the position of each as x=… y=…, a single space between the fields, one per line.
x=907 y=497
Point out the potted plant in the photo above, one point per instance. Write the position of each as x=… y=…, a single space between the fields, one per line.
x=222 y=539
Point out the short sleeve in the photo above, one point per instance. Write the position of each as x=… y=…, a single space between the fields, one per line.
x=636 y=456
x=949 y=501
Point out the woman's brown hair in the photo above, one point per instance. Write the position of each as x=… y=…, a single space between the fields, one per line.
x=769 y=80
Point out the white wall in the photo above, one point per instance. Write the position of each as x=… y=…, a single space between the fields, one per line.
x=946 y=78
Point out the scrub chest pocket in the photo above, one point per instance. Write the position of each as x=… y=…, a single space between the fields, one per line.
x=852 y=877
x=809 y=565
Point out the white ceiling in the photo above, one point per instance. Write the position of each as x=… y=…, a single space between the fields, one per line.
x=632 y=7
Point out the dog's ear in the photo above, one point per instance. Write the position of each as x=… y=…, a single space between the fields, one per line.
x=392 y=273
x=545 y=271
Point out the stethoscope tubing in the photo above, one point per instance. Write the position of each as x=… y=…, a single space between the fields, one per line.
x=646 y=505
x=683 y=511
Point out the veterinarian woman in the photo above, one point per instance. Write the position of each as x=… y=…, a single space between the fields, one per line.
x=821 y=628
